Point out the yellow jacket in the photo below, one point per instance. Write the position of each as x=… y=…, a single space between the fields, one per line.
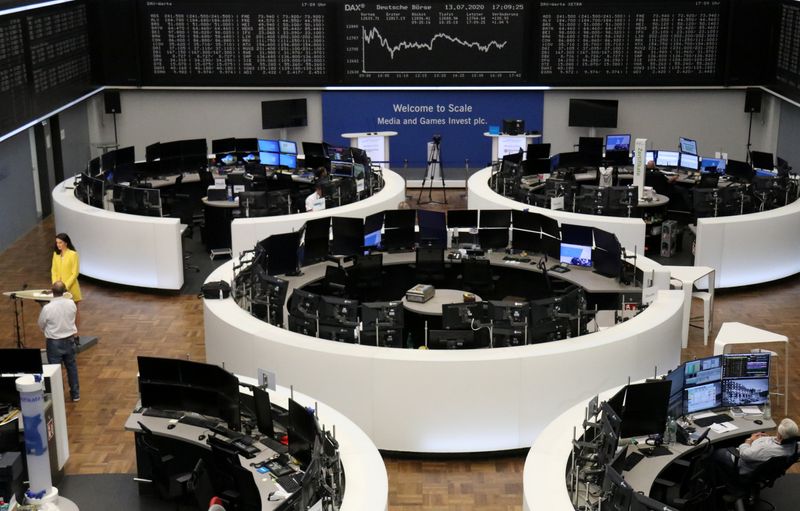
x=66 y=268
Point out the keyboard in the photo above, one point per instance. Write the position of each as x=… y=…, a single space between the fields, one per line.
x=713 y=419
x=631 y=461
x=290 y=482
x=164 y=414
x=200 y=422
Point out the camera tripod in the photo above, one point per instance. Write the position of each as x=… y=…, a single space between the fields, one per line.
x=434 y=164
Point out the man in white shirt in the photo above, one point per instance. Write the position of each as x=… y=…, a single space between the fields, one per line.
x=57 y=321
x=314 y=197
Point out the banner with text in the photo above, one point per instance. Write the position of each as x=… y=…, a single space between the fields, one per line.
x=460 y=118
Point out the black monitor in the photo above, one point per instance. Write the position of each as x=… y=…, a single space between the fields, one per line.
x=263 y=412
x=360 y=156
x=495 y=218
x=740 y=170
x=537 y=151
x=617 y=493
x=314 y=150
x=348 y=236
x=338 y=333
x=385 y=337
x=284 y=113
x=372 y=231
x=702 y=397
x=514 y=126
x=675 y=378
x=457 y=316
x=125 y=156
x=304 y=304
x=303 y=431
x=303 y=325
x=9 y=395
x=526 y=220
x=745 y=365
x=526 y=240
x=537 y=166
x=606 y=240
x=462 y=218
x=687 y=145
x=644 y=411
x=338 y=311
x=551 y=247
x=382 y=314
x=702 y=370
x=432 y=228
x=338 y=153
x=593 y=113
x=762 y=160
x=550 y=226
x=20 y=361
x=591 y=150
x=454 y=339
x=493 y=238
x=398 y=239
x=400 y=218
x=223 y=146
x=341 y=169
x=282 y=250
x=107 y=161
x=577 y=234
x=94 y=167
x=617 y=143
x=509 y=312
x=317 y=240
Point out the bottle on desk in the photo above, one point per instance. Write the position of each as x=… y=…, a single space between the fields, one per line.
x=767 y=413
x=670 y=431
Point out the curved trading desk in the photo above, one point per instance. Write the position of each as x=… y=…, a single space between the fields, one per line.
x=629 y=231
x=544 y=475
x=146 y=251
x=246 y=232
x=447 y=401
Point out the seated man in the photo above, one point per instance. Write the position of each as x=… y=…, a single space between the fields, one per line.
x=314 y=197
x=757 y=449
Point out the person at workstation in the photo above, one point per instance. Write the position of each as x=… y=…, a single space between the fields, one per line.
x=315 y=196
x=320 y=173
x=730 y=463
x=65 y=267
x=57 y=321
x=658 y=181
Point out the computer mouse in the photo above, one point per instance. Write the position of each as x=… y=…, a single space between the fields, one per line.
x=758 y=421
x=201 y=437
x=171 y=426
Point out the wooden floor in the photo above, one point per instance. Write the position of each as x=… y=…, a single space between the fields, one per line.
x=131 y=322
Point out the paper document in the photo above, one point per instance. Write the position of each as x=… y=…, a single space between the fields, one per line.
x=751 y=410
x=723 y=427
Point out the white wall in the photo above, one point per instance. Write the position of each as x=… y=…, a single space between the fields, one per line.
x=715 y=118
x=150 y=116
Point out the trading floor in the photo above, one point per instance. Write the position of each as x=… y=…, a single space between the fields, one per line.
x=132 y=322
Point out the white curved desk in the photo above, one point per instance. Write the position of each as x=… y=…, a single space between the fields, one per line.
x=133 y=250
x=629 y=231
x=246 y=232
x=446 y=401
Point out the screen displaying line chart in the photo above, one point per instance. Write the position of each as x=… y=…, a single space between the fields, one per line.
x=433 y=42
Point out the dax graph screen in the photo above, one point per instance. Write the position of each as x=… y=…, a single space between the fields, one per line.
x=432 y=42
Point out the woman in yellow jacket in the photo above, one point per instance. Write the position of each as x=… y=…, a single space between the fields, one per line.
x=66 y=266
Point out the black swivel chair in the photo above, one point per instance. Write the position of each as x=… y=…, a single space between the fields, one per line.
x=688 y=484
x=168 y=478
x=748 y=490
x=476 y=277
x=430 y=265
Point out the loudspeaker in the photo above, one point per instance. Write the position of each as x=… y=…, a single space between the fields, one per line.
x=752 y=100
x=111 y=99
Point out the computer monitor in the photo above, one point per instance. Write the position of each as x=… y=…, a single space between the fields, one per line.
x=712 y=165
x=526 y=220
x=94 y=167
x=577 y=234
x=341 y=169
x=269 y=159
x=400 y=218
x=10 y=440
x=675 y=378
x=338 y=311
x=493 y=238
x=338 y=333
x=745 y=391
x=702 y=397
x=21 y=361
x=740 y=170
x=618 y=494
x=618 y=143
x=9 y=395
x=303 y=325
x=372 y=231
x=382 y=314
x=462 y=218
x=283 y=256
x=760 y=160
x=432 y=228
x=667 y=158
x=528 y=241
x=338 y=153
x=645 y=407
x=314 y=150
x=537 y=151
x=495 y=218
x=591 y=150
x=576 y=255
x=453 y=339
x=509 y=312
x=702 y=370
x=269 y=146
x=593 y=113
x=398 y=239
x=348 y=236
x=263 y=412
x=288 y=160
x=745 y=365
x=689 y=161
x=688 y=145
x=303 y=431
x=458 y=316
x=304 y=304
x=287 y=147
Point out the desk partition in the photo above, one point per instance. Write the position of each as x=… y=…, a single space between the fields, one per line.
x=629 y=231
x=449 y=401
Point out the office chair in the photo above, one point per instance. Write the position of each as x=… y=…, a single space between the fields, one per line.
x=747 y=492
x=167 y=477
x=476 y=277
x=429 y=265
x=688 y=484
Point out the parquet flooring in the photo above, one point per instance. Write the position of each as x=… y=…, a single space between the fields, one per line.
x=130 y=322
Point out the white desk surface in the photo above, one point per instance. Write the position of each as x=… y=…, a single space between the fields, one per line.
x=658 y=200
x=739 y=333
x=526 y=135
x=433 y=307
x=370 y=134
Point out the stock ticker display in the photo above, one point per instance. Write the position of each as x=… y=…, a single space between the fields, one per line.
x=630 y=43
x=433 y=42
x=787 y=69
x=235 y=43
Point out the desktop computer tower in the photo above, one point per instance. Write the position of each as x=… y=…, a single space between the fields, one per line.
x=669 y=238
